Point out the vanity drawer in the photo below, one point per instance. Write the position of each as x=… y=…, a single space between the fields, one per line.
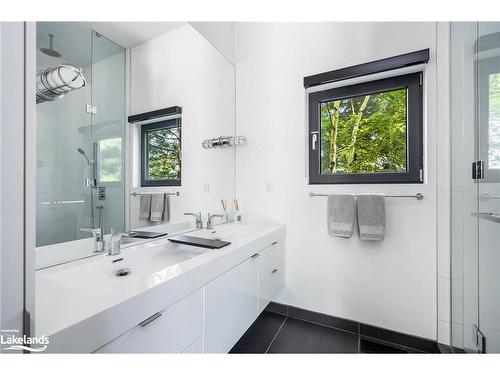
x=271 y=258
x=270 y=286
x=172 y=330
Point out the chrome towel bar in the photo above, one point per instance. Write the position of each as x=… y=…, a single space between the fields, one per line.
x=50 y=203
x=418 y=196
x=155 y=192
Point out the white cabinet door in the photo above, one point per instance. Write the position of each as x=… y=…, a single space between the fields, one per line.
x=270 y=286
x=230 y=306
x=172 y=330
x=271 y=272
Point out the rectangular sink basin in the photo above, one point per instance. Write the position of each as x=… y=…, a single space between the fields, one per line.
x=198 y=241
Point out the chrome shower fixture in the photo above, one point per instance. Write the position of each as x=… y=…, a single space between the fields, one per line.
x=90 y=182
x=85 y=156
x=51 y=51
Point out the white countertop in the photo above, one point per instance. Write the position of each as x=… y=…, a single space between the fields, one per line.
x=82 y=304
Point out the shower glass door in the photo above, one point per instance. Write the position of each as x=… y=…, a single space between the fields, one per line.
x=475 y=141
x=488 y=184
x=80 y=158
x=63 y=127
x=107 y=132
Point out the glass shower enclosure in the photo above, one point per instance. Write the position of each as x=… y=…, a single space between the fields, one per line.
x=475 y=141
x=80 y=136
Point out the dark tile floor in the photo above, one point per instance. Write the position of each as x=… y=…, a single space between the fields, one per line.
x=275 y=333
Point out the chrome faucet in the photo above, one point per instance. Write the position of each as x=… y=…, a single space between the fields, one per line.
x=98 y=238
x=199 y=221
x=210 y=225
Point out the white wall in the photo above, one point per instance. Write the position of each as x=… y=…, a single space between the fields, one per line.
x=181 y=68
x=12 y=176
x=390 y=284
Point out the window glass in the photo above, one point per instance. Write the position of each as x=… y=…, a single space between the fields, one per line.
x=367 y=133
x=364 y=134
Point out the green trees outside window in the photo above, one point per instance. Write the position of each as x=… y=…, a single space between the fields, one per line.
x=364 y=134
x=164 y=154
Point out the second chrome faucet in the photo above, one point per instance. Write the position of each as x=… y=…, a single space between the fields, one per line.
x=199 y=220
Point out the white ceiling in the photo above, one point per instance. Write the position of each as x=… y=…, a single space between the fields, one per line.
x=73 y=39
x=130 y=34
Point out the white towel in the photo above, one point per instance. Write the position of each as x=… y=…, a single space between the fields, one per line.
x=371 y=216
x=340 y=215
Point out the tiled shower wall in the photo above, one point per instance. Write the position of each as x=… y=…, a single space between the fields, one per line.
x=443 y=181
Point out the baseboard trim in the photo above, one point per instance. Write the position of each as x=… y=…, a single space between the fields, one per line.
x=364 y=330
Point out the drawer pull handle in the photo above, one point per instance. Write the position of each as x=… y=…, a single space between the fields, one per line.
x=274 y=271
x=255 y=255
x=152 y=318
x=274 y=243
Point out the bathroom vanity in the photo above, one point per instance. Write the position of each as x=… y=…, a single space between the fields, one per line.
x=173 y=298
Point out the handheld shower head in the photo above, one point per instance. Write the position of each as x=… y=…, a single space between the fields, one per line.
x=84 y=155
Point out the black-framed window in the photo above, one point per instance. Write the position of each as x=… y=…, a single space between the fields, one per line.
x=367 y=133
x=161 y=153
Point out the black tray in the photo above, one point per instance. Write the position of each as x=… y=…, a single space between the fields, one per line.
x=200 y=242
x=143 y=234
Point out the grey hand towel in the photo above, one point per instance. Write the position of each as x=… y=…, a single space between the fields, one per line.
x=145 y=207
x=371 y=216
x=157 y=204
x=166 y=208
x=340 y=210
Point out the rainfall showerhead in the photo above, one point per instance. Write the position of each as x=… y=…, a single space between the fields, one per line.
x=51 y=51
x=84 y=155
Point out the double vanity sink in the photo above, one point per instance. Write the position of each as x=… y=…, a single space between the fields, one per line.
x=161 y=296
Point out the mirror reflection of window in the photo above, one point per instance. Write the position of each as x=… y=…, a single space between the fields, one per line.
x=110 y=160
x=494 y=121
x=161 y=150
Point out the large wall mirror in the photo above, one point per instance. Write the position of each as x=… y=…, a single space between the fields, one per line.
x=96 y=165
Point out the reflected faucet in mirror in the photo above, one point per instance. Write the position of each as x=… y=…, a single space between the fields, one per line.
x=98 y=238
x=199 y=221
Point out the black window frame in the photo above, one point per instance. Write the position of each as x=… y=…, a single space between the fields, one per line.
x=413 y=83
x=162 y=124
